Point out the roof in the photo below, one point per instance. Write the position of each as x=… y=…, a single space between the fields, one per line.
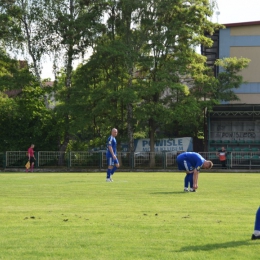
x=48 y=83
x=242 y=24
x=13 y=92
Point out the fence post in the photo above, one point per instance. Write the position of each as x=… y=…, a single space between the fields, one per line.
x=37 y=159
x=69 y=160
x=5 y=160
x=132 y=158
x=100 y=160
x=231 y=160
x=164 y=160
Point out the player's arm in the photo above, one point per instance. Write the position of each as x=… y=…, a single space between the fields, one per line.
x=195 y=178
x=111 y=151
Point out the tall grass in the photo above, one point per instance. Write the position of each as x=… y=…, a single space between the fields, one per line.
x=138 y=216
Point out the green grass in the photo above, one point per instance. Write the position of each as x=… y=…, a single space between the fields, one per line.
x=138 y=216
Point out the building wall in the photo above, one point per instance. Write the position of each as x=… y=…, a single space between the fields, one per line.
x=252 y=30
x=250 y=74
x=247 y=99
x=235 y=130
x=244 y=41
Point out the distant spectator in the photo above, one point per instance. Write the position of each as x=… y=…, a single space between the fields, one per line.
x=222 y=155
x=31 y=157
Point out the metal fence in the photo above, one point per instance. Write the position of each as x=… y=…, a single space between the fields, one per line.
x=236 y=160
x=2 y=158
x=138 y=160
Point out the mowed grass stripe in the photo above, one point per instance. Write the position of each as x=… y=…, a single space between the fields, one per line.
x=138 y=216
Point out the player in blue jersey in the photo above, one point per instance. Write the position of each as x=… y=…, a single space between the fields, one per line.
x=112 y=161
x=192 y=162
x=256 y=234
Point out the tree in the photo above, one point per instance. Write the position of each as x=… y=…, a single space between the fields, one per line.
x=28 y=31
x=63 y=29
x=229 y=78
x=143 y=70
x=189 y=113
x=73 y=26
x=174 y=29
x=146 y=51
x=24 y=118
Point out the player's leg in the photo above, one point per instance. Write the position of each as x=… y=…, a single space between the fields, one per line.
x=256 y=234
x=110 y=165
x=31 y=164
x=184 y=166
x=223 y=164
x=191 y=183
x=32 y=167
x=115 y=167
x=186 y=182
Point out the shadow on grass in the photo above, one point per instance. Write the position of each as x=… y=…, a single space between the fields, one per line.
x=209 y=247
x=170 y=192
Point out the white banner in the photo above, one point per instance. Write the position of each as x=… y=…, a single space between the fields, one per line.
x=166 y=144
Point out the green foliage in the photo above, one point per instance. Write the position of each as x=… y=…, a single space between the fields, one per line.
x=233 y=65
x=10 y=30
x=24 y=118
x=143 y=77
x=13 y=74
x=230 y=77
x=139 y=63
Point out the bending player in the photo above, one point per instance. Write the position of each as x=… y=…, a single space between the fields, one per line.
x=192 y=162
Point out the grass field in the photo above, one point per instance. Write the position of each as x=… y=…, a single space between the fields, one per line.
x=138 y=216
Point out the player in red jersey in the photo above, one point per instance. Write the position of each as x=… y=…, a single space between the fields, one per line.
x=31 y=157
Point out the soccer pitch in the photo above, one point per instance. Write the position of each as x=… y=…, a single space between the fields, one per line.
x=140 y=215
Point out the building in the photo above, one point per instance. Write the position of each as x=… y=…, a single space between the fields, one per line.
x=236 y=124
x=243 y=40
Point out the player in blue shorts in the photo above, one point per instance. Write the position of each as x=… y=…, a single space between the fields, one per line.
x=256 y=234
x=192 y=162
x=112 y=161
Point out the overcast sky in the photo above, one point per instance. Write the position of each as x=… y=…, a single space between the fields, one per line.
x=235 y=11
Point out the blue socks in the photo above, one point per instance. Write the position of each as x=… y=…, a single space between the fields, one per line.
x=113 y=170
x=257 y=220
x=108 y=173
x=188 y=180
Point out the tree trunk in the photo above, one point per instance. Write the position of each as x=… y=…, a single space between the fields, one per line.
x=62 y=151
x=151 y=135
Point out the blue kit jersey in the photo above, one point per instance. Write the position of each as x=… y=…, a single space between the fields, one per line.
x=111 y=141
x=189 y=161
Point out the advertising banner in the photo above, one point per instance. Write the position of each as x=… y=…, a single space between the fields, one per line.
x=166 y=144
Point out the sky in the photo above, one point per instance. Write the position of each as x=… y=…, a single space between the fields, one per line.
x=228 y=11
x=235 y=11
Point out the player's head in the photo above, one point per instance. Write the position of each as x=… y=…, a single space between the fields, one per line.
x=32 y=145
x=207 y=165
x=114 y=132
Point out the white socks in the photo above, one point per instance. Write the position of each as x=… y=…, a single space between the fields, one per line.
x=257 y=233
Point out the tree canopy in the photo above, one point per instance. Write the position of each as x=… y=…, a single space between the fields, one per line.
x=144 y=75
